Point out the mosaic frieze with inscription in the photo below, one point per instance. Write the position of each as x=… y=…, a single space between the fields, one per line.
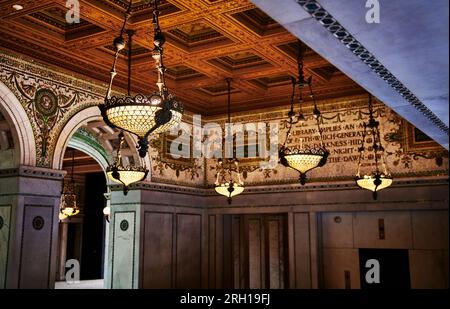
x=408 y=152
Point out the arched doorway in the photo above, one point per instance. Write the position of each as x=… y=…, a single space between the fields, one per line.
x=85 y=237
x=82 y=237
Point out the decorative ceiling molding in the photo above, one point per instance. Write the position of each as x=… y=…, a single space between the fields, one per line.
x=344 y=36
x=207 y=41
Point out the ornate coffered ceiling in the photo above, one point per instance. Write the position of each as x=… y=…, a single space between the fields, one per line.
x=207 y=42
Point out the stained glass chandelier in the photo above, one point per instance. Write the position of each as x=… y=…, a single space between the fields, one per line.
x=125 y=175
x=302 y=157
x=68 y=205
x=377 y=179
x=140 y=114
x=228 y=180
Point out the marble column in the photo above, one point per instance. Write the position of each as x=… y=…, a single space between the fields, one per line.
x=122 y=267
x=29 y=205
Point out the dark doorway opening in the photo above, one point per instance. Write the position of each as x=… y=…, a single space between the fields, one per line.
x=393 y=268
x=93 y=242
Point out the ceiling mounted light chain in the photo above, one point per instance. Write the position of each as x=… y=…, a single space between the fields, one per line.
x=228 y=181
x=302 y=158
x=142 y=115
x=68 y=205
x=378 y=179
x=125 y=175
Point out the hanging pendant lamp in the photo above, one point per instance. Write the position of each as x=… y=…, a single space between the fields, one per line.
x=377 y=179
x=228 y=180
x=139 y=114
x=302 y=158
x=125 y=175
x=117 y=172
x=68 y=205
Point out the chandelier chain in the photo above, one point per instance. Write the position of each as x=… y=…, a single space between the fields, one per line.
x=130 y=42
x=118 y=46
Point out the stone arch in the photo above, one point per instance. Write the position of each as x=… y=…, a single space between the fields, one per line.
x=89 y=150
x=21 y=128
x=82 y=118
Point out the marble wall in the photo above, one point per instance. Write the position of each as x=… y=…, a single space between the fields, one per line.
x=293 y=237
x=424 y=233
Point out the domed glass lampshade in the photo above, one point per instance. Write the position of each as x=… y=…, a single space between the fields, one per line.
x=125 y=175
x=303 y=160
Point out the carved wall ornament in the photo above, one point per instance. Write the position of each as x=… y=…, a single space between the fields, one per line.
x=124 y=225
x=38 y=223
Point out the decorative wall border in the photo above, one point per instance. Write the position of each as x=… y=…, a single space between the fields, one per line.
x=33 y=172
x=344 y=36
x=342 y=184
x=163 y=188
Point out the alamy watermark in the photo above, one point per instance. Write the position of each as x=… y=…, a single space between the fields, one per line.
x=373 y=274
x=236 y=141
x=73 y=274
x=73 y=14
x=373 y=14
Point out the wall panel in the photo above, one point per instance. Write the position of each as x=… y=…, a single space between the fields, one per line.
x=157 y=255
x=302 y=251
x=36 y=247
x=188 y=251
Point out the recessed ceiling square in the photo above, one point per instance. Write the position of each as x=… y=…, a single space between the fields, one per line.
x=181 y=72
x=218 y=89
x=54 y=18
x=198 y=34
x=272 y=81
x=238 y=61
x=258 y=21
